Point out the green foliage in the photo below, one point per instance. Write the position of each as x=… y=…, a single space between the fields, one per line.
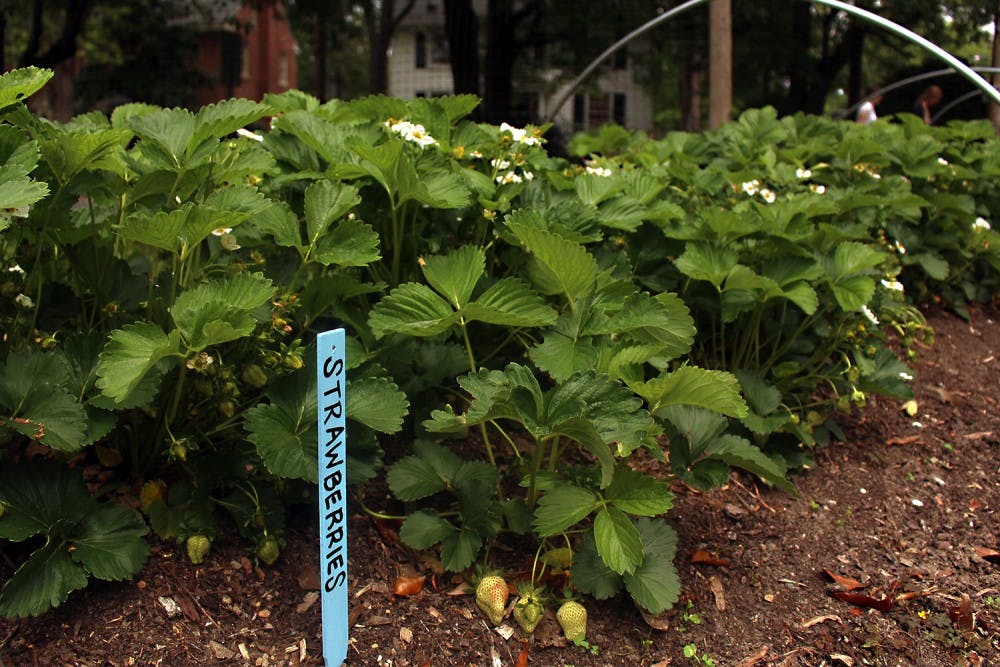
x=518 y=327
x=82 y=537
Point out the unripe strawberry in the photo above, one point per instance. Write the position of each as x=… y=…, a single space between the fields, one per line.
x=198 y=547
x=491 y=597
x=269 y=551
x=572 y=617
x=254 y=376
x=529 y=609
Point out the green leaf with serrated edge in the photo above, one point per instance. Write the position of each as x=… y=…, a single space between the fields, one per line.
x=561 y=266
x=590 y=575
x=19 y=84
x=933 y=264
x=474 y=477
x=492 y=393
x=286 y=442
x=739 y=453
x=509 y=302
x=561 y=507
x=130 y=353
x=19 y=193
x=440 y=189
x=281 y=223
x=34 y=401
x=851 y=258
x=884 y=374
x=42 y=582
x=411 y=309
x=584 y=432
x=704 y=261
x=853 y=292
x=215 y=121
x=219 y=311
x=459 y=549
x=109 y=543
x=164 y=135
x=614 y=411
x=618 y=541
x=802 y=295
x=326 y=201
x=696 y=429
x=39 y=495
x=689 y=385
x=425 y=528
x=663 y=319
x=179 y=230
x=635 y=493
x=655 y=584
x=455 y=275
x=350 y=243
x=285 y=431
x=593 y=189
x=560 y=356
x=414 y=477
x=762 y=397
x=377 y=403
x=73 y=152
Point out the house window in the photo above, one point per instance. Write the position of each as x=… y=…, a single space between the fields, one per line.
x=618 y=110
x=283 y=79
x=439 y=49
x=421 y=50
x=598 y=110
x=579 y=112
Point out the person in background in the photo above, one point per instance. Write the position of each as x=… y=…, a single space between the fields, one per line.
x=930 y=97
x=866 y=112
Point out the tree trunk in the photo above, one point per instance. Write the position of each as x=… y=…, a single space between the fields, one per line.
x=692 y=89
x=720 y=64
x=995 y=79
x=462 y=31
x=498 y=64
x=319 y=55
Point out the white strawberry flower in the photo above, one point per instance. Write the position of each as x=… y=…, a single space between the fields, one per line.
x=981 y=223
x=751 y=187
x=243 y=132
x=894 y=285
x=803 y=173
x=768 y=195
x=869 y=314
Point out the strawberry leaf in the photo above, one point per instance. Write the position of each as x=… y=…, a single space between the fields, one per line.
x=618 y=541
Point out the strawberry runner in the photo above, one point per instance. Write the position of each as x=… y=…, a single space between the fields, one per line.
x=332 y=477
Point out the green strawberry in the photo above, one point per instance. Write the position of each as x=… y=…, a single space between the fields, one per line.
x=491 y=597
x=197 y=548
x=572 y=617
x=269 y=550
x=529 y=609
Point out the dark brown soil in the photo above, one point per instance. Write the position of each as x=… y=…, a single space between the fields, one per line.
x=907 y=507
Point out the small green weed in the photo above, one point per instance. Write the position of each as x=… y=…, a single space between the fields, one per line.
x=703 y=660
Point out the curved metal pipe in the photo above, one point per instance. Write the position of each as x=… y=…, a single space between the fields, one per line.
x=962 y=68
x=954 y=103
x=905 y=82
x=641 y=30
x=958 y=65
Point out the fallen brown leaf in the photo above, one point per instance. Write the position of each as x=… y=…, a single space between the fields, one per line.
x=703 y=557
x=978 y=436
x=657 y=622
x=752 y=660
x=992 y=555
x=961 y=615
x=816 y=620
x=846 y=583
x=903 y=441
x=861 y=600
x=715 y=585
x=406 y=586
x=522 y=657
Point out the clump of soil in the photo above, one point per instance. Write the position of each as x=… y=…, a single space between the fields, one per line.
x=887 y=556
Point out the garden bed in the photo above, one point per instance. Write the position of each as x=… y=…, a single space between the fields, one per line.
x=907 y=507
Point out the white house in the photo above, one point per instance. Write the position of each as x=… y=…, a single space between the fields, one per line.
x=419 y=67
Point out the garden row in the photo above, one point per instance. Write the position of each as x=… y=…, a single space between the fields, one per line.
x=524 y=323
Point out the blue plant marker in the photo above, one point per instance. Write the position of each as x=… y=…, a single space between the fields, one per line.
x=330 y=392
